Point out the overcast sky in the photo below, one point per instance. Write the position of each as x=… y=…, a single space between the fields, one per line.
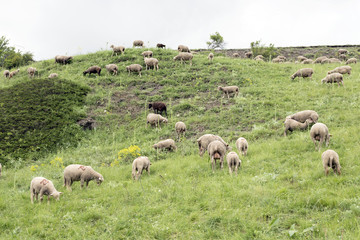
x=70 y=27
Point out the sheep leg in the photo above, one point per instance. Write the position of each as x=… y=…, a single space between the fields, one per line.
x=82 y=183
x=140 y=73
x=190 y=62
x=320 y=143
x=213 y=162
x=222 y=162
x=236 y=169
x=314 y=141
x=87 y=183
x=32 y=196
x=41 y=195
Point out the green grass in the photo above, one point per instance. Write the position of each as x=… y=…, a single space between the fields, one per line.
x=280 y=190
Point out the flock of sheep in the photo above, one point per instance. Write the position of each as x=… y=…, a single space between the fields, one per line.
x=213 y=144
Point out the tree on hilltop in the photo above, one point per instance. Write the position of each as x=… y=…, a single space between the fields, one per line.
x=216 y=41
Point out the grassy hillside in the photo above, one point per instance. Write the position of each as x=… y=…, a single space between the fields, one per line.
x=281 y=191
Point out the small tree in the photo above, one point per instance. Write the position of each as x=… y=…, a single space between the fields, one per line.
x=10 y=57
x=217 y=41
x=261 y=49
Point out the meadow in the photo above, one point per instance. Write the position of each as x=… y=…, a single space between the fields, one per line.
x=280 y=191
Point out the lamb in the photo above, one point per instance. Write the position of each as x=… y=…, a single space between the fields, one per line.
x=93 y=69
x=63 y=59
x=342 y=70
x=43 y=186
x=155 y=119
x=184 y=56
x=182 y=48
x=291 y=125
x=151 y=62
x=158 y=107
x=307 y=61
x=147 y=54
x=351 y=60
x=211 y=56
x=249 y=54
x=180 y=128
x=160 y=45
x=53 y=75
x=168 y=144
x=118 y=49
x=31 y=71
x=303 y=115
x=304 y=73
x=205 y=140
x=6 y=73
x=242 y=145
x=342 y=57
x=333 y=78
x=233 y=162
x=331 y=159
x=301 y=58
x=140 y=164
x=77 y=172
x=319 y=59
x=13 y=73
x=112 y=68
x=320 y=132
x=229 y=89
x=138 y=43
x=216 y=150
x=342 y=51
x=134 y=68
x=236 y=55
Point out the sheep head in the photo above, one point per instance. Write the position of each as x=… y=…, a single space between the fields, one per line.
x=56 y=195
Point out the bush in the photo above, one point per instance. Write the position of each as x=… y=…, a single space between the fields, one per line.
x=261 y=49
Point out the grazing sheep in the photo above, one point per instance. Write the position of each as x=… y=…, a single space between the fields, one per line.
x=53 y=75
x=303 y=115
x=13 y=73
x=42 y=186
x=236 y=55
x=155 y=119
x=147 y=54
x=331 y=159
x=342 y=57
x=77 y=172
x=112 y=68
x=320 y=132
x=242 y=145
x=138 y=43
x=291 y=125
x=63 y=59
x=216 y=150
x=249 y=54
x=334 y=60
x=351 y=60
x=333 y=78
x=6 y=73
x=229 y=89
x=182 y=48
x=342 y=70
x=211 y=56
x=304 y=73
x=160 y=45
x=140 y=164
x=319 y=59
x=307 y=61
x=134 y=68
x=326 y=60
x=158 y=107
x=301 y=58
x=233 y=162
x=278 y=60
x=168 y=144
x=205 y=140
x=180 y=128
x=259 y=57
x=151 y=62
x=93 y=69
x=184 y=56
x=118 y=49
x=31 y=71
x=342 y=51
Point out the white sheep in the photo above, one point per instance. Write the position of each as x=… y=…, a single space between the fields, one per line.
x=334 y=60
x=216 y=150
x=168 y=144
x=233 y=162
x=319 y=59
x=117 y=49
x=180 y=128
x=342 y=51
x=112 y=68
x=84 y=174
x=184 y=56
x=291 y=125
x=242 y=145
x=147 y=54
x=304 y=73
x=6 y=73
x=211 y=56
x=249 y=54
x=301 y=58
x=320 y=132
x=63 y=59
x=343 y=57
x=351 y=60
x=259 y=57
x=236 y=55
x=303 y=115
x=138 y=43
x=342 y=70
x=31 y=71
x=53 y=75
x=151 y=62
x=13 y=73
x=331 y=159
x=155 y=119
x=333 y=78
x=42 y=186
x=307 y=61
x=326 y=60
x=134 y=68
x=183 y=48
x=140 y=164
x=205 y=140
x=229 y=89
